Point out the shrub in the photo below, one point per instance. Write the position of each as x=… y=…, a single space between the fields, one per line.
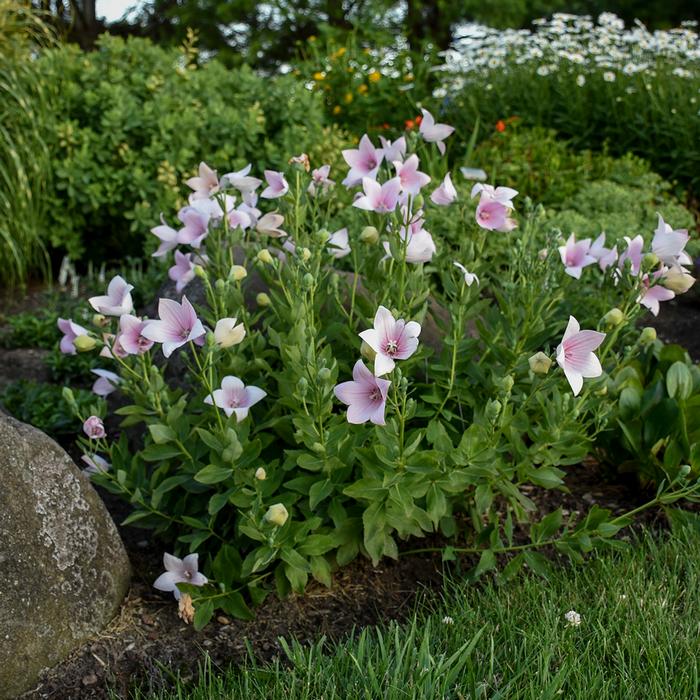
x=246 y=458
x=133 y=120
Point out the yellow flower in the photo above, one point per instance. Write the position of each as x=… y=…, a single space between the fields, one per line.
x=312 y=38
x=318 y=76
x=338 y=53
x=375 y=76
x=337 y=109
x=408 y=77
x=348 y=97
x=362 y=90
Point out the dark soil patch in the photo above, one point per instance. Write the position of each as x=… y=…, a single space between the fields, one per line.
x=679 y=321
x=22 y=363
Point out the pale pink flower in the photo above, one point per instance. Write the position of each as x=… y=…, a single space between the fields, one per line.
x=94 y=428
x=276 y=185
x=235 y=397
x=106 y=383
x=412 y=179
x=178 y=324
x=182 y=272
x=633 y=253
x=117 y=301
x=575 y=354
x=668 y=245
x=206 y=184
x=444 y=195
x=179 y=571
x=71 y=331
x=364 y=162
x=473 y=173
x=575 y=255
x=302 y=159
x=167 y=236
x=131 y=337
x=379 y=198
x=320 y=180
x=239 y=218
x=469 y=277
x=112 y=346
x=391 y=339
x=195 y=226
x=652 y=294
x=95 y=464
x=605 y=256
x=365 y=396
x=419 y=249
x=338 y=244
x=393 y=151
x=242 y=181
x=269 y=225
x=434 y=133
x=495 y=205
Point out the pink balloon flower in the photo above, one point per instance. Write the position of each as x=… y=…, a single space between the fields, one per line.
x=131 y=336
x=117 y=301
x=495 y=205
x=393 y=151
x=444 y=195
x=182 y=272
x=652 y=294
x=206 y=184
x=365 y=396
x=178 y=324
x=71 y=331
x=668 y=245
x=364 y=162
x=276 y=185
x=412 y=179
x=195 y=228
x=434 y=133
x=179 y=571
x=575 y=354
x=391 y=339
x=235 y=397
x=379 y=198
x=94 y=428
x=576 y=256
x=633 y=253
x=106 y=383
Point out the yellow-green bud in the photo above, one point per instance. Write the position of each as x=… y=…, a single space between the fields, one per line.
x=220 y=286
x=199 y=271
x=99 y=320
x=540 y=363
x=260 y=474
x=323 y=235
x=651 y=260
x=613 y=318
x=308 y=280
x=324 y=374
x=367 y=352
x=305 y=254
x=418 y=202
x=648 y=335
x=318 y=448
x=685 y=470
x=237 y=273
x=302 y=386
x=263 y=299
x=678 y=280
x=277 y=515
x=369 y=235
x=493 y=408
x=602 y=392
x=264 y=256
x=227 y=333
x=506 y=383
x=84 y=343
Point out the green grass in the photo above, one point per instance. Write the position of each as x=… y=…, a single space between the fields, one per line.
x=639 y=637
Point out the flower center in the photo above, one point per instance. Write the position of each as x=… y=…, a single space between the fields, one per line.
x=376 y=395
x=391 y=347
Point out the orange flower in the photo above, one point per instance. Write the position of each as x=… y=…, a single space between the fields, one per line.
x=410 y=124
x=419 y=119
x=500 y=126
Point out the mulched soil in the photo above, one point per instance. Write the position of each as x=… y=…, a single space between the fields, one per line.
x=148 y=643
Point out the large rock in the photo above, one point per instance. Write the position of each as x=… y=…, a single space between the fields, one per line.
x=64 y=568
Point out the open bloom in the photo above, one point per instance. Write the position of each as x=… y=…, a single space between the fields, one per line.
x=235 y=397
x=117 y=301
x=495 y=205
x=575 y=255
x=651 y=295
x=182 y=272
x=379 y=198
x=178 y=324
x=445 y=194
x=179 y=571
x=269 y=225
x=71 y=331
x=94 y=428
x=242 y=181
x=605 y=256
x=95 y=464
x=320 y=180
x=469 y=277
x=391 y=340
x=633 y=253
x=205 y=184
x=393 y=151
x=276 y=185
x=167 y=236
x=411 y=179
x=419 y=249
x=365 y=396
x=434 y=133
x=338 y=245
x=195 y=226
x=668 y=245
x=575 y=354
x=106 y=383
x=227 y=333
x=364 y=162
x=131 y=336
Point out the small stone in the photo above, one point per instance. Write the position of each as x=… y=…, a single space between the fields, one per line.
x=223 y=620
x=90 y=679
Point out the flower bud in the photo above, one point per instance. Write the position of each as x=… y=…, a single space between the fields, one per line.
x=308 y=280
x=302 y=386
x=199 y=271
x=318 y=448
x=613 y=318
x=324 y=374
x=99 y=320
x=94 y=428
x=651 y=260
x=367 y=352
x=603 y=391
x=277 y=515
x=305 y=254
x=648 y=335
x=418 y=201
x=323 y=235
x=678 y=280
x=542 y=254
x=493 y=409
x=264 y=256
x=505 y=384
x=263 y=299
x=685 y=470
x=260 y=474
x=84 y=343
x=237 y=273
x=227 y=333
x=220 y=286
x=540 y=363
x=369 y=235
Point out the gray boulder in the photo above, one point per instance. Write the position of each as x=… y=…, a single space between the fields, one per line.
x=64 y=568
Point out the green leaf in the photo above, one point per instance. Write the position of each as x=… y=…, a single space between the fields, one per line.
x=212 y=474
x=203 y=613
x=537 y=563
x=321 y=570
x=319 y=492
x=234 y=604
x=210 y=440
x=679 y=381
x=162 y=433
x=487 y=562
